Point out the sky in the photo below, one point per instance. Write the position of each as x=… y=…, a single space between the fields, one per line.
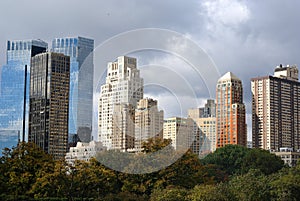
x=247 y=37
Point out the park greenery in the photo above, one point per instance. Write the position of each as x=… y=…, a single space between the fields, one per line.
x=230 y=173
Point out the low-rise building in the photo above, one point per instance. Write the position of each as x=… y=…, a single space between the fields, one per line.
x=288 y=155
x=84 y=151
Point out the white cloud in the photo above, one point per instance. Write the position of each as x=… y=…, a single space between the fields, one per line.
x=227 y=12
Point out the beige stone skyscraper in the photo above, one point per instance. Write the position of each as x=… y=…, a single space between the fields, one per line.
x=148 y=122
x=276 y=110
x=231 y=125
x=49 y=102
x=119 y=96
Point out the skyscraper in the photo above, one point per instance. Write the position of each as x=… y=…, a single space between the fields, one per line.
x=231 y=125
x=18 y=54
x=80 y=50
x=148 y=122
x=123 y=86
x=49 y=102
x=276 y=110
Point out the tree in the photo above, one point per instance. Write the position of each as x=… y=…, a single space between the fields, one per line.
x=236 y=159
x=228 y=158
x=286 y=185
x=263 y=160
x=171 y=193
x=251 y=186
x=22 y=164
x=219 y=192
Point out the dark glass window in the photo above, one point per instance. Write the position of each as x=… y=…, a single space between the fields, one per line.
x=8 y=45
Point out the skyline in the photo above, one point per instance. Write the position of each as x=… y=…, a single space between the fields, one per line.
x=247 y=38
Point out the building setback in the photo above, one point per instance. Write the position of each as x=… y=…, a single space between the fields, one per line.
x=84 y=151
x=49 y=102
x=231 y=125
x=276 y=110
x=123 y=89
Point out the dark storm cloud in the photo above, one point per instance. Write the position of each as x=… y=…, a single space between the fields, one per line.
x=98 y=19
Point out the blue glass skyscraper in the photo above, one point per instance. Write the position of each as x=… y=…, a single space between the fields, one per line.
x=80 y=51
x=18 y=54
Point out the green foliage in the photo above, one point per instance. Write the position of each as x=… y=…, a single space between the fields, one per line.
x=169 y=194
x=155 y=144
x=263 y=160
x=235 y=159
x=124 y=196
x=204 y=192
x=231 y=173
x=286 y=185
x=228 y=158
x=20 y=167
x=184 y=173
x=251 y=186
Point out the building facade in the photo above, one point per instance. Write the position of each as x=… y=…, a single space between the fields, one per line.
x=12 y=88
x=276 y=110
x=49 y=102
x=205 y=119
x=123 y=86
x=148 y=122
x=80 y=50
x=122 y=137
x=231 y=125
x=83 y=151
x=180 y=131
x=288 y=155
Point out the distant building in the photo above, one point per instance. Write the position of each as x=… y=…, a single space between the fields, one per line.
x=123 y=89
x=288 y=155
x=122 y=137
x=231 y=125
x=49 y=102
x=209 y=110
x=18 y=54
x=148 y=122
x=207 y=127
x=276 y=110
x=83 y=151
x=80 y=50
x=180 y=131
x=205 y=120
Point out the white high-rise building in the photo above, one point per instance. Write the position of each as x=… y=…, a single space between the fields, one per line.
x=123 y=86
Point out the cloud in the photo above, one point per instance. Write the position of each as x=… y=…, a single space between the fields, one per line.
x=248 y=38
x=227 y=12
